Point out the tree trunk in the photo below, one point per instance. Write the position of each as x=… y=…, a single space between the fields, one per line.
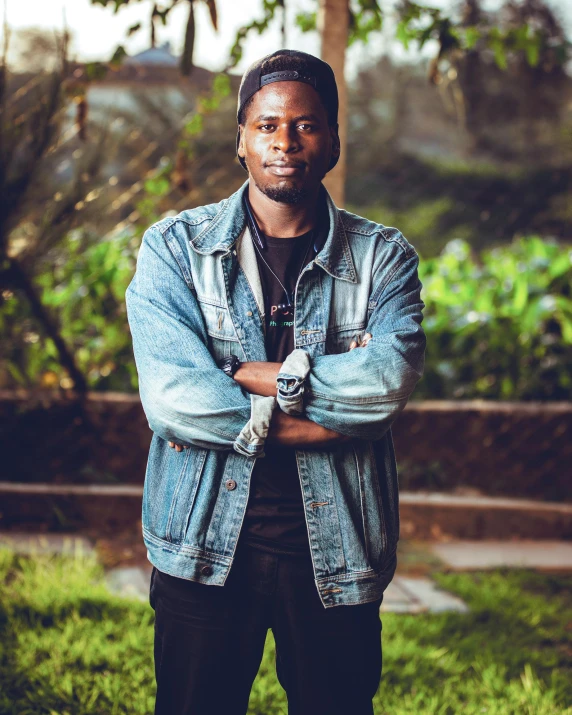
x=18 y=279
x=188 y=49
x=333 y=20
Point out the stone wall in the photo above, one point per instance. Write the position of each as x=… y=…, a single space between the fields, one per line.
x=495 y=448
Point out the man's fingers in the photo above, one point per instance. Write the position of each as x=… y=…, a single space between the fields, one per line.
x=177 y=447
x=362 y=341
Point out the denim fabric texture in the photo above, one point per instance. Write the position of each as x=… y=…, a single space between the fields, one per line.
x=196 y=297
x=291 y=381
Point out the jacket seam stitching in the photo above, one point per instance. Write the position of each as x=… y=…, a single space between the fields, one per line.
x=191 y=550
x=190 y=284
x=347 y=252
x=214 y=219
x=354 y=400
x=374 y=299
x=347 y=326
x=407 y=248
x=353 y=575
x=182 y=219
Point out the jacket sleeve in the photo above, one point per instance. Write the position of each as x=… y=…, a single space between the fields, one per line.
x=186 y=397
x=359 y=393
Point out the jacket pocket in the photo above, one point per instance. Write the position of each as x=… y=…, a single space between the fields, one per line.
x=171 y=483
x=338 y=340
x=374 y=527
x=185 y=493
x=385 y=470
x=222 y=338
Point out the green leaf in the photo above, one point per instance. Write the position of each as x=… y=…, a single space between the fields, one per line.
x=402 y=34
x=221 y=85
x=158 y=186
x=306 y=21
x=520 y=295
x=472 y=35
x=499 y=53
x=194 y=125
x=533 y=52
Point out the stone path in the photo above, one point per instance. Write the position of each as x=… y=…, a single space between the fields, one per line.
x=28 y=543
x=404 y=594
x=419 y=595
x=469 y=555
x=130 y=581
x=408 y=593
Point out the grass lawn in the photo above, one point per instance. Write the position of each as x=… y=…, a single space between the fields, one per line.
x=69 y=647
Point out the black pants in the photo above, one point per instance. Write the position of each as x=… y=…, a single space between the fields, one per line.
x=209 y=640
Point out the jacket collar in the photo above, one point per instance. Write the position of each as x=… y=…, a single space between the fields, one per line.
x=229 y=223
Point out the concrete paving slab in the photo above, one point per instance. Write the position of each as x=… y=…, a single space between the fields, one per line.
x=419 y=595
x=396 y=600
x=470 y=555
x=24 y=543
x=130 y=581
x=403 y=595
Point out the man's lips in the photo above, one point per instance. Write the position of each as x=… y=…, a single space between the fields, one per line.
x=285 y=168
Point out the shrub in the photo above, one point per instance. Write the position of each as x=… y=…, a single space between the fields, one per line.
x=498 y=327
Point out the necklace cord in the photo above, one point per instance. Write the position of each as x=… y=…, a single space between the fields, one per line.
x=254 y=228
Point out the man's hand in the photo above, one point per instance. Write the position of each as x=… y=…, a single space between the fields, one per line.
x=261 y=377
x=362 y=343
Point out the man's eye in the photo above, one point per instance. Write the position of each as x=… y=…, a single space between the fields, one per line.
x=306 y=127
x=266 y=127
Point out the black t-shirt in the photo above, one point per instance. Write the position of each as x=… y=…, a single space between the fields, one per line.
x=275 y=511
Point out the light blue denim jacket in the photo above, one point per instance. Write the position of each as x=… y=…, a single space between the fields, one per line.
x=196 y=296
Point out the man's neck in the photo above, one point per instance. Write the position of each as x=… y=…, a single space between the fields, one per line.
x=282 y=220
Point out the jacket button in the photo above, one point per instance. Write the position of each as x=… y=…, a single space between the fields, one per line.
x=249 y=313
x=207 y=570
x=230 y=485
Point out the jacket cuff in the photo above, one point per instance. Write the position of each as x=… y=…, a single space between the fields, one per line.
x=251 y=439
x=290 y=382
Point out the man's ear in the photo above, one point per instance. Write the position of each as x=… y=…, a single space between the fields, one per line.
x=241 y=151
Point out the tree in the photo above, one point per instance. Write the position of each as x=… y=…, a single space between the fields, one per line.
x=342 y=22
x=333 y=25
x=160 y=13
x=529 y=35
x=31 y=122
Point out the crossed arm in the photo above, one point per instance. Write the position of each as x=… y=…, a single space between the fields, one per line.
x=188 y=399
x=259 y=378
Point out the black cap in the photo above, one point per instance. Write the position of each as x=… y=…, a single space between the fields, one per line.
x=317 y=73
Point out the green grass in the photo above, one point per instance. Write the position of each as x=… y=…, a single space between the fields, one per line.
x=69 y=647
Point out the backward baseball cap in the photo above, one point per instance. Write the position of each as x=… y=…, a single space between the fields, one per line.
x=317 y=73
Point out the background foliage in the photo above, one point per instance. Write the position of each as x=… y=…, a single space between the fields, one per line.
x=467 y=157
x=498 y=323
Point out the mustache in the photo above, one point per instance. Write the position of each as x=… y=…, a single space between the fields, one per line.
x=286 y=162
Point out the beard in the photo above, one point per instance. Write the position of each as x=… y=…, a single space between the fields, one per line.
x=285 y=194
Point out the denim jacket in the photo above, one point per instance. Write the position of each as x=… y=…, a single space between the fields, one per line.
x=195 y=297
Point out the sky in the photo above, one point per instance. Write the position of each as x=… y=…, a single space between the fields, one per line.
x=97 y=31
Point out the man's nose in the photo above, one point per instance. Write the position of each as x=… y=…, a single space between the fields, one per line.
x=286 y=139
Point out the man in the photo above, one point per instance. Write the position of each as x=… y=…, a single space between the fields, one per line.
x=276 y=338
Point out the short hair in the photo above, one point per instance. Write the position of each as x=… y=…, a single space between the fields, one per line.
x=282 y=63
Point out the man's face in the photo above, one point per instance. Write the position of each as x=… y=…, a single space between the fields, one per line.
x=286 y=141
